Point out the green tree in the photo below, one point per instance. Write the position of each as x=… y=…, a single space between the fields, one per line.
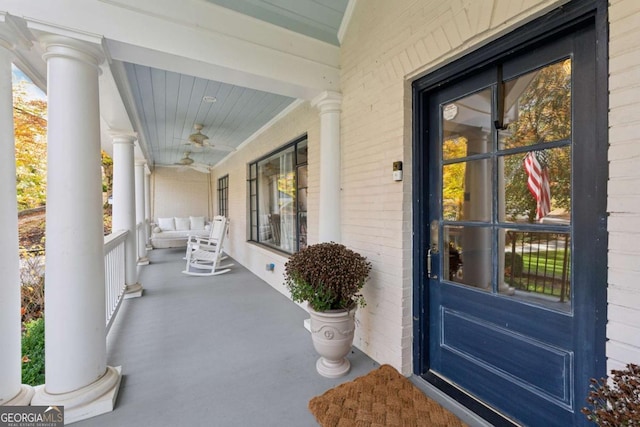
x=107 y=175
x=544 y=115
x=33 y=352
x=30 y=125
x=453 y=176
x=107 y=189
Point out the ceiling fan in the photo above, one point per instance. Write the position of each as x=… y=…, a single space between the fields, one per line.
x=200 y=140
x=186 y=162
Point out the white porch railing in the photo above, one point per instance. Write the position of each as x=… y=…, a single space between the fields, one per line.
x=141 y=244
x=114 y=269
x=141 y=233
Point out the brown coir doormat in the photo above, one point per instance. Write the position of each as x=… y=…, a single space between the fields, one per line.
x=383 y=397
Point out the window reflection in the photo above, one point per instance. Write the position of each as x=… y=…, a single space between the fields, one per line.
x=466 y=191
x=518 y=202
x=278 y=198
x=532 y=185
x=467 y=256
x=302 y=204
x=537 y=267
x=538 y=107
x=466 y=125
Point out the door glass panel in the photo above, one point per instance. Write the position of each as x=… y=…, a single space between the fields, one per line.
x=535 y=187
x=466 y=191
x=536 y=267
x=467 y=256
x=537 y=107
x=466 y=126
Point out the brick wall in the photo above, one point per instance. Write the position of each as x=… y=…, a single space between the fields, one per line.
x=623 y=204
x=176 y=192
x=387 y=45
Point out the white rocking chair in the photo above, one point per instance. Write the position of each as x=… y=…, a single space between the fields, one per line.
x=207 y=243
x=204 y=254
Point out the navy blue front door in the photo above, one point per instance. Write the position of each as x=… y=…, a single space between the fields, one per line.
x=512 y=222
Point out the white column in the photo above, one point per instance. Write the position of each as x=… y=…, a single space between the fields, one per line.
x=142 y=234
x=76 y=374
x=147 y=208
x=329 y=210
x=124 y=208
x=12 y=392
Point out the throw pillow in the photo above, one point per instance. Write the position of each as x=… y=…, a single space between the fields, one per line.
x=182 y=224
x=166 y=224
x=197 y=222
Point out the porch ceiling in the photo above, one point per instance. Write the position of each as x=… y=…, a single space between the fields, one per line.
x=170 y=104
x=320 y=19
x=255 y=57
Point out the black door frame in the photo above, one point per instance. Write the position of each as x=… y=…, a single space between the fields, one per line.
x=562 y=20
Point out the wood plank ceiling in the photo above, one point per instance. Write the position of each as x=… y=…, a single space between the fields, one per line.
x=169 y=104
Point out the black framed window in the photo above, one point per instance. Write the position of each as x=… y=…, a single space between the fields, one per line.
x=223 y=196
x=277 y=188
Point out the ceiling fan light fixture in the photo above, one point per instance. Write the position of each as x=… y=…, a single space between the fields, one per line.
x=186 y=160
x=198 y=137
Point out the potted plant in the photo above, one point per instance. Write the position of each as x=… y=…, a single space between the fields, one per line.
x=329 y=277
x=615 y=402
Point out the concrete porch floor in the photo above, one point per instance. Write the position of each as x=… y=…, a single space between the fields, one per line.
x=227 y=350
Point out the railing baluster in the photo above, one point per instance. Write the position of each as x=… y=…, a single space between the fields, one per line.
x=114 y=260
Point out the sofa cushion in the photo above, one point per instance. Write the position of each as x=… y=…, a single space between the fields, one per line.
x=197 y=222
x=179 y=234
x=166 y=224
x=182 y=224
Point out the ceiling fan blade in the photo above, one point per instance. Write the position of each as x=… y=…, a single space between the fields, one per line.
x=227 y=148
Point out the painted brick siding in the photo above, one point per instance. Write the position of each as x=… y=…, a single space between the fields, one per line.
x=623 y=203
x=301 y=120
x=388 y=44
x=179 y=193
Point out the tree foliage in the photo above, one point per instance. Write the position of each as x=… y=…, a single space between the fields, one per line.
x=107 y=176
x=453 y=177
x=33 y=352
x=30 y=125
x=544 y=115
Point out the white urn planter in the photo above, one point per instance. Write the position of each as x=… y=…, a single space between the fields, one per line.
x=332 y=335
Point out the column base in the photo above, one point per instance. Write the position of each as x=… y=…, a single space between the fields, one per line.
x=133 y=291
x=23 y=397
x=143 y=261
x=95 y=399
x=506 y=289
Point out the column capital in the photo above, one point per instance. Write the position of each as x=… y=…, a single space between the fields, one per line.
x=12 y=34
x=328 y=101
x=65 y=47
x=123 y=137
x=144 y=164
